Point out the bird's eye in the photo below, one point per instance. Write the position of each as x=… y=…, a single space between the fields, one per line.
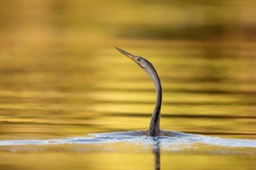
x=139 y=59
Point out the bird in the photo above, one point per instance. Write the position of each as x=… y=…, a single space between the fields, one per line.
x=154 y=126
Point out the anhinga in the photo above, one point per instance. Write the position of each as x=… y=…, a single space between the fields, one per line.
x=154 y=127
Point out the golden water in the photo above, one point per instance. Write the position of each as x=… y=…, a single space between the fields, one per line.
x=61 y=77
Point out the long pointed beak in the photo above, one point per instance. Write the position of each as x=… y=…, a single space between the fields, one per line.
x=131 y=56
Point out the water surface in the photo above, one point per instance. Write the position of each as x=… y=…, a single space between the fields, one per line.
x=65 y=92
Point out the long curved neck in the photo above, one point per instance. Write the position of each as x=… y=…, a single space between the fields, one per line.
x=154 y=127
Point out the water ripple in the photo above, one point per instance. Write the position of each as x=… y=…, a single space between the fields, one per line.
x=138 y=138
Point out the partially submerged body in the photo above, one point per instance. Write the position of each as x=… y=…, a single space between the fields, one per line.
x=154 y=126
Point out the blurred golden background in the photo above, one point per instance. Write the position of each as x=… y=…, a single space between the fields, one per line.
x=61 y=77
x=50 y=25
x=60 y=74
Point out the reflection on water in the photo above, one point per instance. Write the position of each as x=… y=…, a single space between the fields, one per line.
x=156 y=151
x=135 y=141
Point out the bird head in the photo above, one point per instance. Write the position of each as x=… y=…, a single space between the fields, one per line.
x=142 y=62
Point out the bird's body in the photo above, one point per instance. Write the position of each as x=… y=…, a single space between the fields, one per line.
x=154 y=127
